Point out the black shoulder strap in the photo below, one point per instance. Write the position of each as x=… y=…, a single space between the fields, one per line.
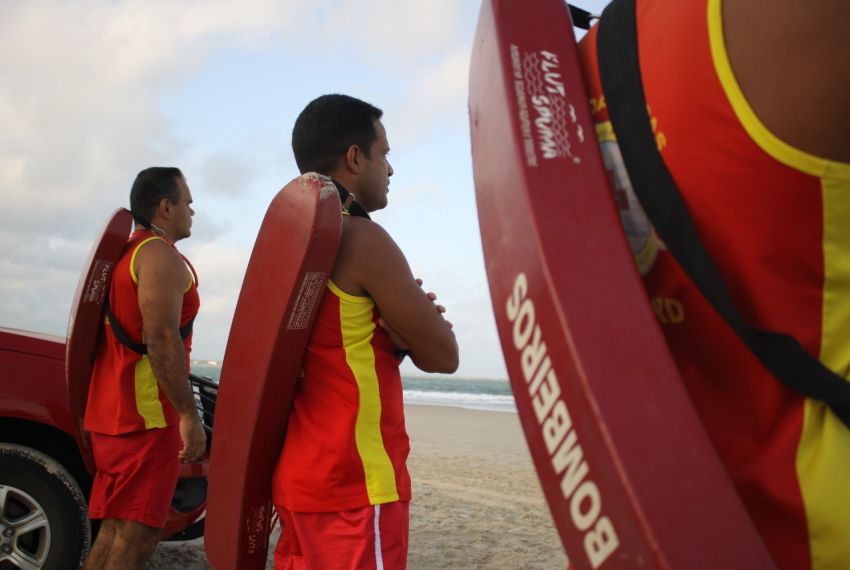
x=619 y=69
x=122 y=337
x=581 y=18
x=354 y=209
x=119 y=333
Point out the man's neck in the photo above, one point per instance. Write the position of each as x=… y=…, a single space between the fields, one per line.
x=159 y=230
x=354 y=208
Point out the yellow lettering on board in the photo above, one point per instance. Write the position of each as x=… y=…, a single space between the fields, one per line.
x=668 y=310
x=597 y=104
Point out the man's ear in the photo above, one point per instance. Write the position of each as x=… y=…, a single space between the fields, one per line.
x=354 y=159
x=164 y=208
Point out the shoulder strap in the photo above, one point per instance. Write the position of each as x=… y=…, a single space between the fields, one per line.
x=354 y=209
x=619 y=69
x=581 y=18
x=119 y=333
x=122 y=337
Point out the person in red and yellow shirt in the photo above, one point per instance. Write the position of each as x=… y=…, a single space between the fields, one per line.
x=341 y=485
x=141 y=411
x=748 y=102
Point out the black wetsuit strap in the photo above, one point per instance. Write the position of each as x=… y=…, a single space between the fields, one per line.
x=186 y=329
x=122 y=337
x=354 y=209
x=119 y=333
x=619 y=69
x=140 y=220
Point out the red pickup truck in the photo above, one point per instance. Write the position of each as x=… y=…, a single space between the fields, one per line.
x=45 y=461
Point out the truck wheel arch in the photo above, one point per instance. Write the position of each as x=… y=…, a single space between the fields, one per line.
x=50 y=441
x=37 y=488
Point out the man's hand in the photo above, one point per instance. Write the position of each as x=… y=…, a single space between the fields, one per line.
x=433 y=297
x=193 y=436
x=396 y=339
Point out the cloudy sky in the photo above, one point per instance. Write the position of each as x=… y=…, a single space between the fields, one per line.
x=91 y=92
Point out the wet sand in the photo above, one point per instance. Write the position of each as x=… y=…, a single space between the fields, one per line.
x=476 y=500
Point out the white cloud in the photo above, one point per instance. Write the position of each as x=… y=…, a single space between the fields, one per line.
x=221 y=267
x=396 y=32
x=444 y=85
x=226 y=173
x=79 y=105
x=81 y=88
x=435 y=100
x=82 y=92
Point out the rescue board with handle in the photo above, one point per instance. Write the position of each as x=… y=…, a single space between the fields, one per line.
x=284 y=283
x=86 y=318
x=627 y=469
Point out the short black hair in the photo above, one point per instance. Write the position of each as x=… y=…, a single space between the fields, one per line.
x=151 y=186
x=327 y=127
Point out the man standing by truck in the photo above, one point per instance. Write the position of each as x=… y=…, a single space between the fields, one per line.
x=141 y=411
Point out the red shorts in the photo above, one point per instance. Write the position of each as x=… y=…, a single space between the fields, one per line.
x=136 y=475
x=370 y=538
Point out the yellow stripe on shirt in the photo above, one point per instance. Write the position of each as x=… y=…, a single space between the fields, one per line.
x=147 y=395
x=835 y=311
x=823 y=456
x=357 y=332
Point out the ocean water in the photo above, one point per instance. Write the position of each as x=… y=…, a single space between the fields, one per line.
x=491 y=395
x=456 y=391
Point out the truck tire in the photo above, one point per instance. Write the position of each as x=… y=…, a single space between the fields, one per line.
x=43 y=513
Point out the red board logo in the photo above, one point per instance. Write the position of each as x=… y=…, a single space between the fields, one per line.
x=310 y=291
x=98 y=281
x=545 y=114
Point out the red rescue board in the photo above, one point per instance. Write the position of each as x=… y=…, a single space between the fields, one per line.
x=86 y=319
x=284 y=283
x=628 y=471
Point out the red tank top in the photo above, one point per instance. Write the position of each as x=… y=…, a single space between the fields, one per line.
x=124 y=395
x=346 y=445
x=775 y=221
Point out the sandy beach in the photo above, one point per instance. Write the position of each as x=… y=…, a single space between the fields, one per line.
x=476 y=501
